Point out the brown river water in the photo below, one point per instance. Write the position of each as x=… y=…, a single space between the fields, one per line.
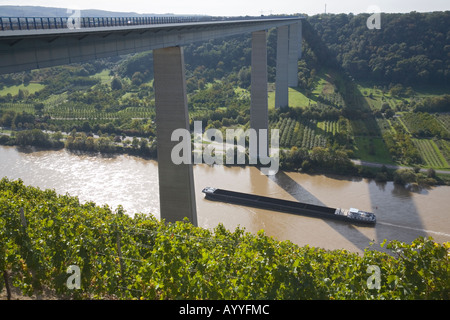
x=132 y=182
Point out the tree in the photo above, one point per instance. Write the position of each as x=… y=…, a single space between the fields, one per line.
x=116 y=84
x=397 y=90
x=404 y=176
x=23 y=94
x=137 y=78
x=135 y=143
x=86 y=127
x=90 y=144
x=57 y=136
x=245 y=77
x=105 y=145
x=431 y=173
x=39 y=107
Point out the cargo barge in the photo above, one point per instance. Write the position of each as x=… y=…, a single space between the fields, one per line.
x=350 y=215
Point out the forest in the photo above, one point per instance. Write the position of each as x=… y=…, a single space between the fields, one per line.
x=373 y=95
x=410 y=49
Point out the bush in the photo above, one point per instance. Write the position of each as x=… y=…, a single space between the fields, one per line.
x=5 y=140
x=404 y=176
x=381 y=177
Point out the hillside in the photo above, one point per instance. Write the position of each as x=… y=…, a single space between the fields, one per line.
x=339 y=112
x=37 y=11
x=410 y=49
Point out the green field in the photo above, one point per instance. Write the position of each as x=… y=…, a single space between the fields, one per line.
x=14 y=90
x=296 y=99
x=372 y=149
x=104 y=76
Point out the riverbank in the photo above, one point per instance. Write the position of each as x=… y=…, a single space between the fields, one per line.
x=317 y=161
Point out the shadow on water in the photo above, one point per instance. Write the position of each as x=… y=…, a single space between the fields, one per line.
x=349 y=231
x=396 y=220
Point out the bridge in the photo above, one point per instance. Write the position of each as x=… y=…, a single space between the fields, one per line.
x=33 y=43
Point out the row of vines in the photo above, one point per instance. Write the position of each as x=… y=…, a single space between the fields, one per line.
x=429 y=152
x=82 y=112
x=66 y=111
x=299 y=134
x=43 y=235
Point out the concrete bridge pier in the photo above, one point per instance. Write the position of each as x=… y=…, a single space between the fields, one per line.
x=281 y=85
x=259 y=108
x=300 y=39
x=176 y=182
x=288 y=53
x=293 y=55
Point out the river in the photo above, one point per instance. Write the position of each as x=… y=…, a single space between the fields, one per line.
x=402 y=214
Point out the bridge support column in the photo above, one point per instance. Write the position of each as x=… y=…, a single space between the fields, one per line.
x=259 y=108
x=293 y=54
x=300 y=40
x=282 y=89
x=176 y=182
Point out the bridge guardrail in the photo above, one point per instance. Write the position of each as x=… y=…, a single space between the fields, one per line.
x=43 y=23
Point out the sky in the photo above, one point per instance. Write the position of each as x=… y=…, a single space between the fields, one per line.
x=242 y=7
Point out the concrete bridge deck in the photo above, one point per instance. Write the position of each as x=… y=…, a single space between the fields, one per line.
x=28 y=49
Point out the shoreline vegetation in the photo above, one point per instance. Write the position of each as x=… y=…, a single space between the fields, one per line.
x=42 y=234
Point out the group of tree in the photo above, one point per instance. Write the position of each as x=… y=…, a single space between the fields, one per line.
x=413 y=177
x=80 y=141
x=319 y=159
x=401 y=147
x=34 y=138
x=432 y=104
x=17 y=120
x=410 y=49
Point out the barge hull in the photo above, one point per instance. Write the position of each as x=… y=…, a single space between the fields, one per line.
x=280 y=205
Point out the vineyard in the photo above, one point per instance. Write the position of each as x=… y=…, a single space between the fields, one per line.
x=444 y=119
x=299 y=134
x=444 y=148
x=331 y=127
x=429 y=152
x=17 y=107
x=87 y=112
x=424 y=125
x=42 y=234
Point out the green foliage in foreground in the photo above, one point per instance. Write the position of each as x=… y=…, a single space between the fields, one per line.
x=180 y=261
